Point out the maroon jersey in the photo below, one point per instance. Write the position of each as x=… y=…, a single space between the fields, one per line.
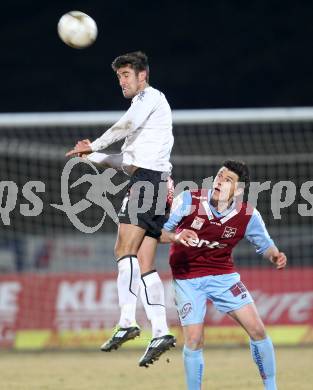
x=218 y=236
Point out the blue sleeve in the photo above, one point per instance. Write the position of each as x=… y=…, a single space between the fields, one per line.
x=180 y=208
x=257 y=234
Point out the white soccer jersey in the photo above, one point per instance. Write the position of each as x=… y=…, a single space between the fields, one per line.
x=147 y=126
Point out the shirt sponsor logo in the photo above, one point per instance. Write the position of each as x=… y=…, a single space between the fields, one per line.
x=209 y=244
x=197 y=223
x=216 y=223
x=229 y=232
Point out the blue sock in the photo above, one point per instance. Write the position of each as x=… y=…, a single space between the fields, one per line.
x=194 y=364
x=264 y=357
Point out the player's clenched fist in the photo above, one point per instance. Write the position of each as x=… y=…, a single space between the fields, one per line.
x=280 y=260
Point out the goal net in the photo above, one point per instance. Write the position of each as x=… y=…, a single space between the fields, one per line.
x=50 y=225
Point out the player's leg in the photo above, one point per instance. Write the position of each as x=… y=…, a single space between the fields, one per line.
x=261 y=345
x=152 y=296
x=125 y=250
x=151 y=288
x=128 y=241
x=135 y=217
x=191 y=303
x=128 y=268
x=230 y=296
x=127 y=245
x=193 y=355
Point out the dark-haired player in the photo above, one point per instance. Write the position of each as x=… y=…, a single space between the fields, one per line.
x=204 y=269
x=147 y=130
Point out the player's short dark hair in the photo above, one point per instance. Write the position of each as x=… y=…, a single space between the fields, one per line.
x=241 y=169
x=137 y=60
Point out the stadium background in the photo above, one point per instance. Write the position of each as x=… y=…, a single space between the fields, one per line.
x=57 y=286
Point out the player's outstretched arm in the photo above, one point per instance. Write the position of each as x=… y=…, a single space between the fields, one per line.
x=184 y=237
x=276 y=257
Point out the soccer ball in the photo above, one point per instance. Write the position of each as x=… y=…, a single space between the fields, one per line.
x=77 y=29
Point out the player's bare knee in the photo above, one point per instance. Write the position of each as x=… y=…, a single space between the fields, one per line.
x=194 y=342
x=146 y=265
x=121 y=251
x=258 y=333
